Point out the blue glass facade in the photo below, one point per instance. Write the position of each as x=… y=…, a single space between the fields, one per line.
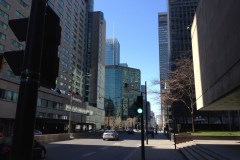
x=112 y=52
x=115 y=79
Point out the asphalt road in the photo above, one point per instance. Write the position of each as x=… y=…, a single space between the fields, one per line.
x=94 y=149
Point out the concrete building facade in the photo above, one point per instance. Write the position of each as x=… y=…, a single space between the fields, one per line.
x=215 y=40
x=52 y=108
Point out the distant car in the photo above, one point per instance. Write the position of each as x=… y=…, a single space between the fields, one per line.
x=130 y=131
x=39 y=151
x=110 y=135
x=37 y=132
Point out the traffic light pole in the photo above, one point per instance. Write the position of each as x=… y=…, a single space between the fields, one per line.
x=142 y=136
x=29 y=84
x=146 y=107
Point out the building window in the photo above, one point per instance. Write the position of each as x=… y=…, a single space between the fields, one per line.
x=15 y=97
x=50 y=104
x=66 y=41
x=59 y=14
x=39 y=102
x=23 y=4
x=60 y=8
x=2 y=47
x=3 y=25
x=8 y=95
x=43 y=103
x=19 y=15
x=2 y=94
x=3 y=14
x=17 y=44
x=50 y=4
x=5 y=4
x=61 y=2
x=2 y=36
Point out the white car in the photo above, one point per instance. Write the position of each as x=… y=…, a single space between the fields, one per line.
x=37 y=132
x=110 y=134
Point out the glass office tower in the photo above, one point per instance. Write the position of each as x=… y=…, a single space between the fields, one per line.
x=112 y=52
x=163 y=37
x=116 y=77
x=181 y=14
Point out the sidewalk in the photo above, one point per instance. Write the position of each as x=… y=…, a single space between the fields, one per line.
x=227 y=148
x=158 y=148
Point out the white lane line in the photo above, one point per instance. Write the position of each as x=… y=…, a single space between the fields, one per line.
x=88 y=154
x=103 y=148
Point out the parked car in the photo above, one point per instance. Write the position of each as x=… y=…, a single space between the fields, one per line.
x=39 y=151
x=37 y=132
x=110 y=135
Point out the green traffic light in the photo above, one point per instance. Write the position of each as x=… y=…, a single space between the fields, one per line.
x=139 y=110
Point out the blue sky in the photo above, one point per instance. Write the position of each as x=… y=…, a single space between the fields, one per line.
x=135 y=24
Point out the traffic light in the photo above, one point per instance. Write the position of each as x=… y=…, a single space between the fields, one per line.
x=139 y=104
x=15 y=58
x=51 y=40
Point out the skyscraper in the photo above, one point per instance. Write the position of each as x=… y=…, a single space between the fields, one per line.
x=112 y=52
x=94 y=88
x=163 y=36
x=164 y=58
x=181 y=13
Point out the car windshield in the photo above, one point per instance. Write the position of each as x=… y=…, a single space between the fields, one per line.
x=109 y=131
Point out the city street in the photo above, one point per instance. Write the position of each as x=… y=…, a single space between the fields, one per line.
x=94 y=149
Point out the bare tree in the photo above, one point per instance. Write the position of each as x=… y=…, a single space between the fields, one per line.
x=179 y=86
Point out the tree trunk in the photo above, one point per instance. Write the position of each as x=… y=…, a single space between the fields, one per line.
x=193 y=115
x=193 y=125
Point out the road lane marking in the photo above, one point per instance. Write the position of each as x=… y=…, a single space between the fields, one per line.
x=130 y=154
x=88 y=154
x=103 y=148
